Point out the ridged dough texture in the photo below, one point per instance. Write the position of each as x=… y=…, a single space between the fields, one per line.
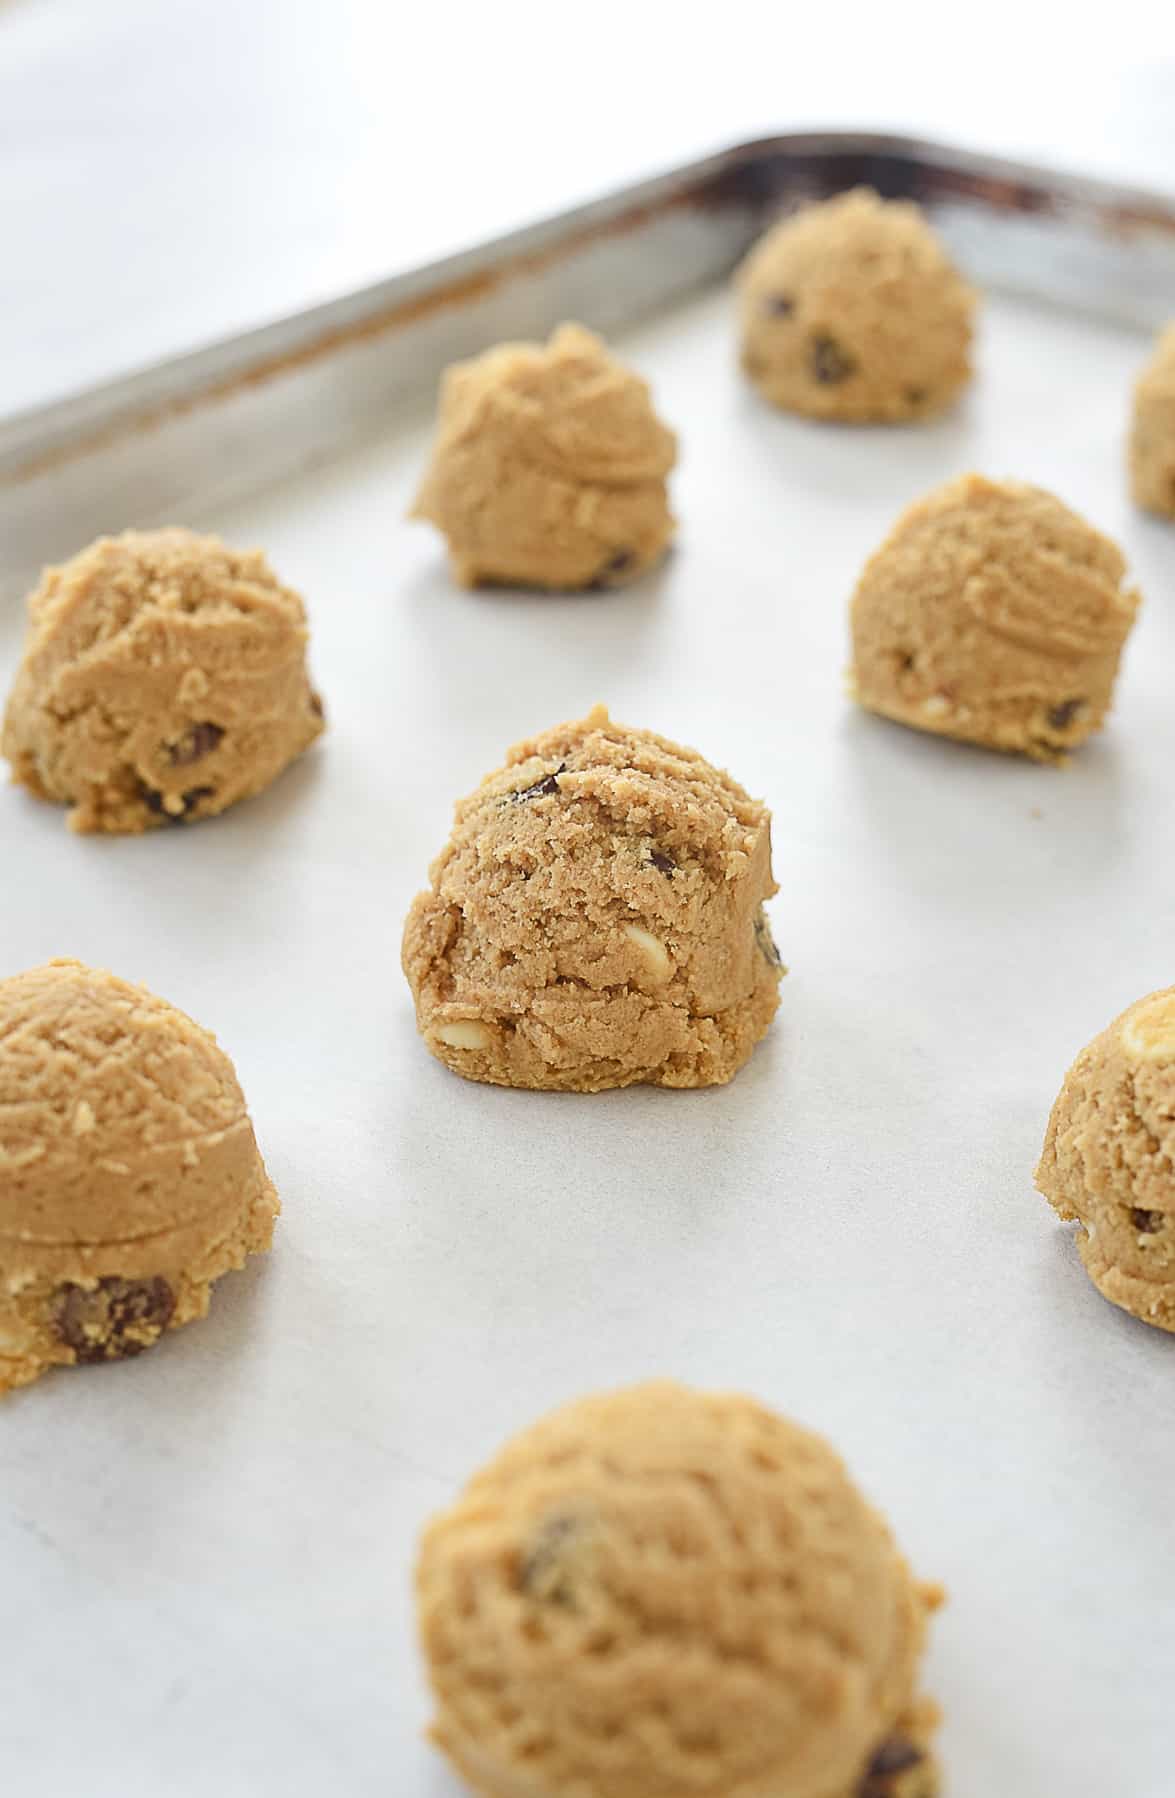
x=596 y=918
x=1152 y=432
x=662 y=1593
x=852 y=310
x=549 y=467
x=1109 y=1158
x=130 y=1178
x=164 y=678
x=994 y=614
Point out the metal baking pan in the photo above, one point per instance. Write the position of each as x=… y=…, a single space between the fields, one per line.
x=206 y=1553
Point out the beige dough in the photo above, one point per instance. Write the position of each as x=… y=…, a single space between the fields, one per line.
x=852 y=310
x=1109 y=1158
x=164 y=678
x=662 y=1593
x=129 y=1176
x=994 y=614
x=549 y=467
x=597 y=918
x=1152 y=436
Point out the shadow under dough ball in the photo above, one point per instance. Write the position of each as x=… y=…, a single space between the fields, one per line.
x=993 y=614
x=130 y=1178
x=596 y=918
x=1152 y=431
x=164 y=678
x=852 y=310
x=549 y=467
x=1108 y=1162
x=663 y=1593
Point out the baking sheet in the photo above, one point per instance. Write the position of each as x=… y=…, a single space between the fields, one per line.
x=206 y=1553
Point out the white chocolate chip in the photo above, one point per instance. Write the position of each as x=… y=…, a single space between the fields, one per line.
x=1149 y=1033
x=83 y=1118
x=193 y=686
x=653 y=951
x=464 y=1034
x=936 y=706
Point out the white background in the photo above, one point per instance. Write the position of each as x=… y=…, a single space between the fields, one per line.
x=205 y=1555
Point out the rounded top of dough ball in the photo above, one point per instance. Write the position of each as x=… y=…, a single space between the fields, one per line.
x=1109 y=1157
x=852 y=310
x=549 y=466
x=164 y=678
x=1152 y=435
x=994 y=614
x=596 y=918
x=119 y=1117
x=659 y=1591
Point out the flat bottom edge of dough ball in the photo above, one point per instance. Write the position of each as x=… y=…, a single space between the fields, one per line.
x=1052 y=752
x=754 y=1015
x=30 y=1345
x=912 y=1733
x=1156 y=501
x=1150 y=1301
x=827 y=408
x=474 y=576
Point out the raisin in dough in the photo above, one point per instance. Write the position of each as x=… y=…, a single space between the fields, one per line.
x=549 y=467
x=852 y=310
x=1109 y=1158
x=662 y=1593
x=994 y=614
x=597 y=918
x=1152 y=436
x=164 y=678
x=130 y=1179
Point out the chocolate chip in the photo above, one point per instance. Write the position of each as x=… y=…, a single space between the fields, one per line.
x=897 y=1755
x=766 y=942
x=664 y=864
x=618 y=563
x=154 y=801
x=1061 y=716
x=779 y=305
x=116 y=1319
x=828 y=362
x=1147 y=1223
x=544 y=1572
x=195 y=744
x=915 y=396
x=316 y=705
x=548 y=784
x=907 y=660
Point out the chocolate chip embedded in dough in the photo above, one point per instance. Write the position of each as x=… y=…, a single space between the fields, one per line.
x=197 y=742
x=829 y=363
x=113 y=1320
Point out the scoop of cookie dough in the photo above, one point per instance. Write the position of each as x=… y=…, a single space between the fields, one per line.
x=662 y=1593
x=164 y=678
x=994 y=614
x=852 y=310
x=549 y=467
x=130 y=1179
x=1152 y=435
x=1109 y=1158
x=596 y=918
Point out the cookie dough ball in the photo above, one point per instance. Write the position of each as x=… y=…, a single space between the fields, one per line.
x=549 y=467
x=164 y=678
x=852 y=310
x=596 y=918
x=129 y=1176
x=1109 y=1158
x=993 y=614
x=662 y=1593
x=1152 y=436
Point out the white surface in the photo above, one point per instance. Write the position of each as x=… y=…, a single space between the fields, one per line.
x=207 y=1552
x=175 y=172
